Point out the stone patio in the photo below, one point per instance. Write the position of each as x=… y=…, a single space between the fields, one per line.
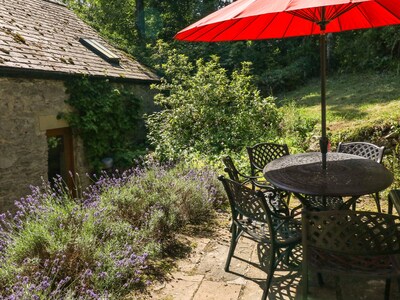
x=202 y=276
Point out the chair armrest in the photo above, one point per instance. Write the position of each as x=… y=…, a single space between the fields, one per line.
x=262 y=185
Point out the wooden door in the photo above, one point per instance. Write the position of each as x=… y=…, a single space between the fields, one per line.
x=60 y=155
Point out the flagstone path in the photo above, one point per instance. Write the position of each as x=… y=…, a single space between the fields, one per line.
x=201 y=276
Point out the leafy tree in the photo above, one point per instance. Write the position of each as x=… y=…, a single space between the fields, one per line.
x=207 y=111
x=373 y=49
x=113 y=19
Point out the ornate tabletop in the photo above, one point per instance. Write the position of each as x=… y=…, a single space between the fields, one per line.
x=346 y=174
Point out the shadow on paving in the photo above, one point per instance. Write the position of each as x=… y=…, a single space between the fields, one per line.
x=287 y=282
x=201 y=275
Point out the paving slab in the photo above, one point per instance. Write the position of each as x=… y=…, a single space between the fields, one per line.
x=181 y=287
x=251 y=290
x=213 y=290
x=213 y=263
x=190 y=263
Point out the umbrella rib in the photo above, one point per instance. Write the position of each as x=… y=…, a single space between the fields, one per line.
x=219 y=33
x=304 y=15
x=313 y=24
x=366 y=18
x=388 y=10
x=265 y=28
x=255 y=19
x=194 y=32
x=287 y=27
x=340 y=24
x=314 y=16
x=338 y=12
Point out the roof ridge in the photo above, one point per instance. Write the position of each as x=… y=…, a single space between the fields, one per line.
x=56 y=2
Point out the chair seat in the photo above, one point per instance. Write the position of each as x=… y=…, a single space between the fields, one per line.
x=287 y=231
x=360 y=265
x=351 y=243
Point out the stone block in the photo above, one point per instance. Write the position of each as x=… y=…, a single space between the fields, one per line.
x=214 y=290
x=181 y=287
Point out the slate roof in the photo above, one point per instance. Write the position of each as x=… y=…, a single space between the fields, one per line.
x=42 y=37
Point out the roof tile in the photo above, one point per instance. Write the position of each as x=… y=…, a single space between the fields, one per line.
x=43 y=35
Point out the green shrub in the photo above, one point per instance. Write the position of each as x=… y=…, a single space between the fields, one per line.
x=207 y=111
x=296 y=128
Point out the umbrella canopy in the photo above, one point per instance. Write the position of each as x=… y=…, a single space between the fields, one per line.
x=273 y=19
x=268 y=19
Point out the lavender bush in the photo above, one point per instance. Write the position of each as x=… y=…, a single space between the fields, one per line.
x=105 y=242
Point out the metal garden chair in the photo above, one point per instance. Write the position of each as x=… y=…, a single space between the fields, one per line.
x=263 y=153
x=351 y=243
x=366 y=150
x=263 y=224
x=235 y=175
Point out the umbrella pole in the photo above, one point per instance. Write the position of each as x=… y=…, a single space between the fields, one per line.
x=323 y=142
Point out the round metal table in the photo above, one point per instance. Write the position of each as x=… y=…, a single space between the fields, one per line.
x=346 y=175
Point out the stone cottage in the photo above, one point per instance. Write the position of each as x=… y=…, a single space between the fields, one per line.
x=43 y=43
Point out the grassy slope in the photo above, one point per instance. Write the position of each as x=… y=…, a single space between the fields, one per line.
x=352 y=100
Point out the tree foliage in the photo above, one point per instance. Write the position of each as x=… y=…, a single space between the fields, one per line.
x=208 y=111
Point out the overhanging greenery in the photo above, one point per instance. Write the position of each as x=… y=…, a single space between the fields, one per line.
x=106 y=117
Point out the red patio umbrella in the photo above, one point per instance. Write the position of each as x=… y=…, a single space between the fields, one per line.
x=274 y=19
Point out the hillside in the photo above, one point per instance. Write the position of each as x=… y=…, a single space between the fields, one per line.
x=353 y=100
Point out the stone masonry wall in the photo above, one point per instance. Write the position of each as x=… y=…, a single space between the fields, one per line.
x=23 y=144
x=25 y=104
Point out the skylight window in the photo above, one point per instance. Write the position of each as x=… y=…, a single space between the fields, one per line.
x=100 y=50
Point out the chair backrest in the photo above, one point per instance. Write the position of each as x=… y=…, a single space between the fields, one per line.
x=263 y=153
x=363 y=149
x=246 y=202
x=348 y=232
x=230 y=168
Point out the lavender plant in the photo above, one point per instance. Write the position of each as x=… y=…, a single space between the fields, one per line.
x=105 y=242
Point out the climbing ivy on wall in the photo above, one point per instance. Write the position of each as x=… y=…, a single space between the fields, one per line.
x=106 y=116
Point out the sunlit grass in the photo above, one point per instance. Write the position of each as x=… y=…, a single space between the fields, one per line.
x=353 y=100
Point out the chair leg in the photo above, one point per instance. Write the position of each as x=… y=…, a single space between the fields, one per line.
x=377 y=201
x=304 y=295
x=234 y=238
x=240 y=217
x=338 y=289
x=398 y=283
x=390 y=206
x=320 y=279
x=270 y=275
x=288 y=198
x=387 y=289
